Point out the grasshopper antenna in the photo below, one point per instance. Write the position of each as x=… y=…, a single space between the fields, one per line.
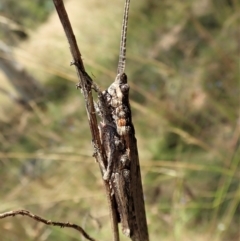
x=122 y=53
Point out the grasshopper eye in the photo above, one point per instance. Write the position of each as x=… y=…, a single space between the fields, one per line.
x=124 y=88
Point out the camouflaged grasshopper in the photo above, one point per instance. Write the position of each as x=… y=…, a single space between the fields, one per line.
x=118 y=140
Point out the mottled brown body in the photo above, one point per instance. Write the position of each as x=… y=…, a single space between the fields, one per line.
x=120 y=144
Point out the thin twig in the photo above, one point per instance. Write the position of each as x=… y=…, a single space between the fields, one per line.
x=47 y=222
x=84 y=82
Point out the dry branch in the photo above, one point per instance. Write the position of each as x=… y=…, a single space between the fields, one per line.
x=47 y=222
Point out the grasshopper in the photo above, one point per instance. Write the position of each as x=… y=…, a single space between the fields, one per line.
x=118 y=140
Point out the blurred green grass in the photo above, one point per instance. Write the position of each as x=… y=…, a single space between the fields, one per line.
x=183 y=70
